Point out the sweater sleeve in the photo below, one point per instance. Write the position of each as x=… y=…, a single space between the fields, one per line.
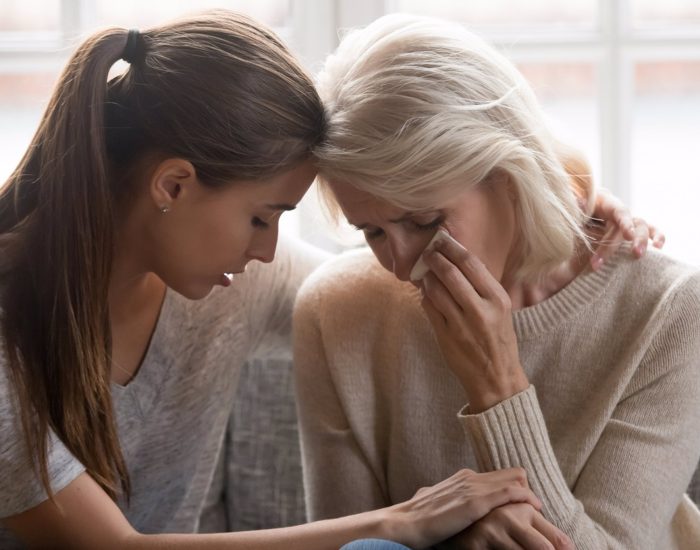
x=634 y=480
x=338 y=477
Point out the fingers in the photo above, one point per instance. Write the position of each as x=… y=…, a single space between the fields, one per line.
x=442 y=302
x=556 y=538
x=514 y=475
x=468 y=264
x=607 y=246
x=531 y=539
x=610 y=209
x=510 y=494
x=641 y=237
x=658 y=239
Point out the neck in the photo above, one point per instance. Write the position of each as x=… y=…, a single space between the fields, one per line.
x=132 y=285
x=529 y=293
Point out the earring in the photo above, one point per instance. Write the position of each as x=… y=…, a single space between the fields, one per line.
x=164 y=209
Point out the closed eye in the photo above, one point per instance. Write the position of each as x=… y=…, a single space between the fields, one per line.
x=257 y=222
x=373 y=233
x=430 y=225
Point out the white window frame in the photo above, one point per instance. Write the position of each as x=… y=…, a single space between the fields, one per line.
x=612 y=45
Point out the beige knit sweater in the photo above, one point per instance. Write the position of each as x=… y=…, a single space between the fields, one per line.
x=609 y=431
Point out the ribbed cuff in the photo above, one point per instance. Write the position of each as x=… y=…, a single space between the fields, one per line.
x=514 y=434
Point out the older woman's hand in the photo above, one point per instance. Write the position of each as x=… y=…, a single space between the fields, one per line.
x=471 y=315
x=613 y=224
x=513 y=526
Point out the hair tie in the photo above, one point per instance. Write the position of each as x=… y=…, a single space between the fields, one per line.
x=131 y=50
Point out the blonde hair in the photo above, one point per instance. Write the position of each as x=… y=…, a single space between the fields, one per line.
x=417 y=109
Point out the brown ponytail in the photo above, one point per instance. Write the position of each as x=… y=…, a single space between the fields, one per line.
x=218 y=90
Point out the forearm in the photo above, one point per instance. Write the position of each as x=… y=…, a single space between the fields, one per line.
x=619 y=501
x=320 y=535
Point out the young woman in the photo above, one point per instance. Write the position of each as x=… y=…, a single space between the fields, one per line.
x=511 y=351
x=119 y=357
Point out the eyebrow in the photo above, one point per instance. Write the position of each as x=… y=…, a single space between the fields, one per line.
x=285 y=207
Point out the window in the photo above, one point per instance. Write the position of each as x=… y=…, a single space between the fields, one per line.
x=619 y=79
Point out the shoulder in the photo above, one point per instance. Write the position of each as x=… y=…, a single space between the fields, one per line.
x=353 y=284
x=352 y=279
x=658 y=301
x=657 y=279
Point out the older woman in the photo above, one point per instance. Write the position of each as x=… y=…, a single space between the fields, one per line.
x=511 y=351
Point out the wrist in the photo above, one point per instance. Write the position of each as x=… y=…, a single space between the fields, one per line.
x=487 y=395
x=399 y=524
x=386 y=523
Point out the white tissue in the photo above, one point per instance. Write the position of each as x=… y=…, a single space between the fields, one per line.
x=420 y=269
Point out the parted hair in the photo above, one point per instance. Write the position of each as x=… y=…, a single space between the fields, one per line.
x=418 y=109
x=219 y=90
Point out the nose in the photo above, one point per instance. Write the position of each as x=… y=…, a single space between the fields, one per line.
x=402 y=259
x=263 y=245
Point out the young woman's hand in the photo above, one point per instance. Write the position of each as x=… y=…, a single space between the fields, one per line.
x=512 y=527
x=437 y=513
x=471 y=315
x=615 y=225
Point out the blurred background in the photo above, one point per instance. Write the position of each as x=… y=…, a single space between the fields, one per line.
x=619 y=79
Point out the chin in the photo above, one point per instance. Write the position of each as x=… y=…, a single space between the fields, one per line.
x=193 y=292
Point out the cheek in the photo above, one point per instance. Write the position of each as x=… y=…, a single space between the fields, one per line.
x=484 y=240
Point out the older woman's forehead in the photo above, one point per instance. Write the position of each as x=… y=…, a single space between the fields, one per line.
x=356 y=203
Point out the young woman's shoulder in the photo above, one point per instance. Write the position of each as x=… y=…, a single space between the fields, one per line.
x=20 y=488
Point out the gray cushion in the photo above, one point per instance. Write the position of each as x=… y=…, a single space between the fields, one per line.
x=264 y=487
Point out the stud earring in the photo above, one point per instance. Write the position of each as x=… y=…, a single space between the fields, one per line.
x=164 y=209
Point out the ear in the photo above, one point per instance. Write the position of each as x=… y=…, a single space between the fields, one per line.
x=171 y=182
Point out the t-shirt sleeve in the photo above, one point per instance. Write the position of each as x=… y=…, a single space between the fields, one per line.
x=20 y=485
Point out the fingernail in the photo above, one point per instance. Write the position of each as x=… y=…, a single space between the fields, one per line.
x=597 y=262
x=639 y=249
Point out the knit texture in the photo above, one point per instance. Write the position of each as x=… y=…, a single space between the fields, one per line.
x=607 y=432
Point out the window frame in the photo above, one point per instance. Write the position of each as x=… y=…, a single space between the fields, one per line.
x=613 y=45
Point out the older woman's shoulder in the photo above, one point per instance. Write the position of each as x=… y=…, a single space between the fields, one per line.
x=656 y=282
x=353 y=277
x=659 y=271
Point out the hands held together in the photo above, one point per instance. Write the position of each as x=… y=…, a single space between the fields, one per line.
x=474 y=511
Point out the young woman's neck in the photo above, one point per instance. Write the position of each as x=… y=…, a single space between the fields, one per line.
x=133 y=286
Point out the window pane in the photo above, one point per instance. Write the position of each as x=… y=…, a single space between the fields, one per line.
x=665 y=152
x=137 y=13
x=23 y=98
x=652 y=13
x=24 y=15
x=507 y=13
x=567 y=92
